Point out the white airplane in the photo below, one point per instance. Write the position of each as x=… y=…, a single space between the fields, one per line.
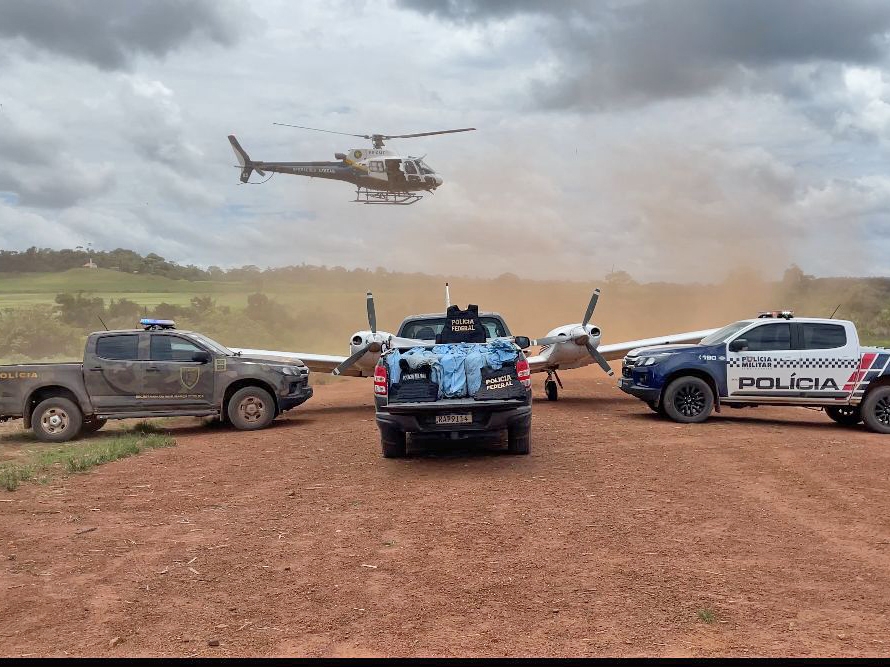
x=563 y=348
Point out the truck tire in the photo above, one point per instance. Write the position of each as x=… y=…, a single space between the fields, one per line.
x=876 y=409
x=393 y=444
x=519 y=441
x=688 y=400
x=251 y=408
x=56 y=419
x=848 y=415
x=93 y=424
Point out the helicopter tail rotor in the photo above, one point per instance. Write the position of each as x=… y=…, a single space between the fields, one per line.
x=247 y=165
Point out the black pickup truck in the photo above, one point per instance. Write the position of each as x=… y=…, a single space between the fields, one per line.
x=414 y=404
x=156 y=371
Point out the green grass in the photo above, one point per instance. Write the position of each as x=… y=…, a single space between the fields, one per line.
x=145 y=427
x=41 y=462
x=707 y=615
x=20 y=290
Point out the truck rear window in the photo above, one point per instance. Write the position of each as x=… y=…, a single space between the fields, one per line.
x=124 y=347
x=429 y=329
x=823 y=336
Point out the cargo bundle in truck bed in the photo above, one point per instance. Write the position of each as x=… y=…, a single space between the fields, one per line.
x=456 y=389
x=481 y=371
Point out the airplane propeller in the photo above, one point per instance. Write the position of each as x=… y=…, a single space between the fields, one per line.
x=373 y=345
x=583 y=338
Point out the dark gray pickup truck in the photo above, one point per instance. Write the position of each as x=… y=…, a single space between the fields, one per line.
x=156 y=371
x=412 y=405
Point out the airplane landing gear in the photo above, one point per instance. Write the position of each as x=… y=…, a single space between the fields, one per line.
x=551 y=387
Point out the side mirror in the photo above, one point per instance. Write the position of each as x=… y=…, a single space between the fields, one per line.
x=522 y=341
x=738 y=345
x=203 y=357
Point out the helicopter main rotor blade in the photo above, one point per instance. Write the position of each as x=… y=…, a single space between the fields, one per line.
x=351 y=360
x=315 y=129
x=591 y=306
x=600 y=359
x=426 y=134
x=372 y=313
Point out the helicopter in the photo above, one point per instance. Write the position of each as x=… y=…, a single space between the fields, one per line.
x=381 y=176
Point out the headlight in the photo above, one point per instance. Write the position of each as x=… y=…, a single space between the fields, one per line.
x=290 y=370
x=649 y=361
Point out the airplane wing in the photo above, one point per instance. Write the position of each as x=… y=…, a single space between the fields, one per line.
x=613 y=351
x=618 y=350
x=317 y=363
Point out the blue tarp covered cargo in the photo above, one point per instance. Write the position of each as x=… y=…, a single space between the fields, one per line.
x=456 y=367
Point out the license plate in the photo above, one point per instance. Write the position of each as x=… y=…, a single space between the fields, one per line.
x=454 y=419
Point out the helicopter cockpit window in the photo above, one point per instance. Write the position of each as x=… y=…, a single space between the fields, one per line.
x=409 y=167
x=425 y=168
x=375 y=165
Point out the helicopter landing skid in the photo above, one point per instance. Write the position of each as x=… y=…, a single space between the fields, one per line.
x=365 y=196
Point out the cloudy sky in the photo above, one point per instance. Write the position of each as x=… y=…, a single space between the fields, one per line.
x=672 y=139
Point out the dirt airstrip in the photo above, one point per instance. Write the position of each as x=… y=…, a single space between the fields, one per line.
x=762 y=532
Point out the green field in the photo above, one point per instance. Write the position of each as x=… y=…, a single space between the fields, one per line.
x=27 y=289
x=317 y=309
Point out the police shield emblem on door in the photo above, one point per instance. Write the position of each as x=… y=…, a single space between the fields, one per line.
x=189 y=376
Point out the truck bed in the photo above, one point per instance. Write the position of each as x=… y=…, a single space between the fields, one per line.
x=446 y=404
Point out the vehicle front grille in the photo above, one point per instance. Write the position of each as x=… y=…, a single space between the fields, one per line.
x=627 y=366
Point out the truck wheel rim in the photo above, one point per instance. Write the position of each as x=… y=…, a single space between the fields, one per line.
x=251 y=409
x=882 y=411
x=54 y=420
x=690 y=400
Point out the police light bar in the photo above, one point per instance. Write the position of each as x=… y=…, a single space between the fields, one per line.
x=784 y=314
x=149 y=323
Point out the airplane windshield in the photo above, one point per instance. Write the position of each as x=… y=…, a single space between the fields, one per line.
x=721 y=335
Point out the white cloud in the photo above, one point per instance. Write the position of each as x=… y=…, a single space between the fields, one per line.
x=868 y=99
x=676 y=188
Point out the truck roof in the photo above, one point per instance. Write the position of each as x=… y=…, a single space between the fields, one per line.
x=819 y=320
x=131 y=331
x=427 y=316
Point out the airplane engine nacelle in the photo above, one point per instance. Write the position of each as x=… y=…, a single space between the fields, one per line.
x=362 y=338
x=574 y=349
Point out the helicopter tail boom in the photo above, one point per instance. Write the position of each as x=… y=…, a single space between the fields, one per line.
x=247 y=165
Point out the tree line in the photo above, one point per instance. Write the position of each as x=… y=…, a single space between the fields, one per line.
x=49 y=260
x=48 y=332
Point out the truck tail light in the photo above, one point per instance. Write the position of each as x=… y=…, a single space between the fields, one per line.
x=380 y=380
x=523 y=373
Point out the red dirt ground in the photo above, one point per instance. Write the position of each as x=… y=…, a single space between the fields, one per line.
x=610 y=539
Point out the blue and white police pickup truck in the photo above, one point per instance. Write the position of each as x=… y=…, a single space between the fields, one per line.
x=775 y=359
